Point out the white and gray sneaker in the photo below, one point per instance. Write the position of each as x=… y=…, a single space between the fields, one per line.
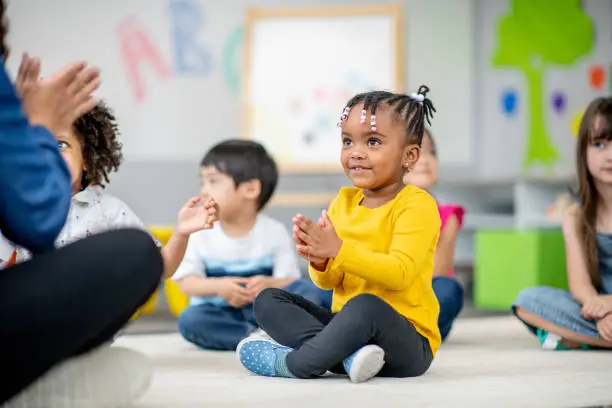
x=107 y=377
x=365 y=363
x=259 y=334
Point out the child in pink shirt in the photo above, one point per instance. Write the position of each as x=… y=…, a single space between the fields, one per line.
x=448 y=212
x=448 y=291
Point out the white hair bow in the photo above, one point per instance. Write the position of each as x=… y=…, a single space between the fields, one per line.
x=417 y=97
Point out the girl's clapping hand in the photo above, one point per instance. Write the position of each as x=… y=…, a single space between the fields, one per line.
x=316 y=240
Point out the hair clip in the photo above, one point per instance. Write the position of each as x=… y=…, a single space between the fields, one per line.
x=344 y=115
x=373 y=123
x=362 y=118
x=417 y=97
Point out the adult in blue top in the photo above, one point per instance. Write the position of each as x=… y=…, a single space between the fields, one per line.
x=59 y=308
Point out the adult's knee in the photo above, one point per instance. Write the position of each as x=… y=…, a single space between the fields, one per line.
x=265 y=304
x=137 y=257
x=126 y=264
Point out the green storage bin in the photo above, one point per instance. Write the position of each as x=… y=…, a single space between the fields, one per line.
x=508 y=261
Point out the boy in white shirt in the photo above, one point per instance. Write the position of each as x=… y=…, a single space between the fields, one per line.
x=226 y=267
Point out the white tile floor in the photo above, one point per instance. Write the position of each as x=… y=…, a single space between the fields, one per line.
x=487 y=362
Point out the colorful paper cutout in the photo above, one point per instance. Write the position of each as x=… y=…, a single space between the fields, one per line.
x=558 y=102
x=509 y=102
x=597 y=77
x=575 y=122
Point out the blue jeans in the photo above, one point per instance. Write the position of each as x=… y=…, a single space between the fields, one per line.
x=450 y=296
x=559 y=307
x=556 y=306
x=221 y=327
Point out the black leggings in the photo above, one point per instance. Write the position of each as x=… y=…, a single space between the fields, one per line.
x=69 y=301
x=322 y=340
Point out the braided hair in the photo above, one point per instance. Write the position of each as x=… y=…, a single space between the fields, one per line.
x=98 y=132
x=415 y=109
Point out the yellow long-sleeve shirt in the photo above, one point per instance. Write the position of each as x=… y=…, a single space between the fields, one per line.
x=386 y=251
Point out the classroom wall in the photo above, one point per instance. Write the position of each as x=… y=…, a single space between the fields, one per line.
x=498 y=119
x=175 y=105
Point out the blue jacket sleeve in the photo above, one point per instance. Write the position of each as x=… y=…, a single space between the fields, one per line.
x=35 y=185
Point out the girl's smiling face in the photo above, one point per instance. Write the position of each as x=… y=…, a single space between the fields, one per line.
x=373 y=160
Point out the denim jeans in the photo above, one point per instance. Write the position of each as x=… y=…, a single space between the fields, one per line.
x=221 y=327
x=558 y=306
x=450 y=296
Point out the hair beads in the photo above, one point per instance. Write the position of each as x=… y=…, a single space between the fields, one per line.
x=362 y=118
x=416 y=110
x=344 y=115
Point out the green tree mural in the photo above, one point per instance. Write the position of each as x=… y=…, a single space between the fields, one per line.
x=534 y=35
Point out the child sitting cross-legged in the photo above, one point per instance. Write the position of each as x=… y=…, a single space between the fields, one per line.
x=374 y=247
x=581 y=318
x=226 y=267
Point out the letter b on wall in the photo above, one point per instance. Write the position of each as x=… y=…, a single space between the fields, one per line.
x=190 y=56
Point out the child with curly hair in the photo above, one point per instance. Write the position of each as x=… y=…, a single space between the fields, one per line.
x=92 y=151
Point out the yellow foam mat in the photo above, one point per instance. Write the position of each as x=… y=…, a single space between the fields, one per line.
x=177 y=301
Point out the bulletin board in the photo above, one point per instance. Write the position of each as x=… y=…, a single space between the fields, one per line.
x=303 y=65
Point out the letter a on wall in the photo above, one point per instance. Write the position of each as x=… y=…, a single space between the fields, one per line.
x=137 y=49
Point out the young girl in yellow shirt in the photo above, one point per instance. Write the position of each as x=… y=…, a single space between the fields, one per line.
x=374 y=247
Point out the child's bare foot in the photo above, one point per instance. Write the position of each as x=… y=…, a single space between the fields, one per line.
x=570 y=344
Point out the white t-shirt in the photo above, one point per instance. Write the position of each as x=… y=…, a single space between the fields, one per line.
x=92 y=211
x=267 y=250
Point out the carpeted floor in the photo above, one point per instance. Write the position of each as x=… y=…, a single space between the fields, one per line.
x=487 y=362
